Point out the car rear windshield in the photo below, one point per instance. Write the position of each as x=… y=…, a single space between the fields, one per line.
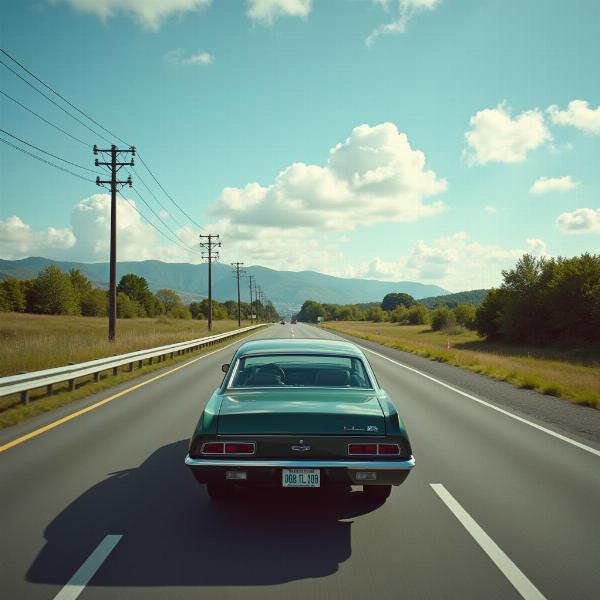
x=300 y=370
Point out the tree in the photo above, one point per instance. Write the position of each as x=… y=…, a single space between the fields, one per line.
x=169 y=299
x=95 y=303
x=180 y=312
x=196 y=310
x=53 y=293
x=488 y=318
x=464 y=314
x=375 y=314
x=4 y=302
x=81 y=285
x=399 y=314
x=136 y=287
x=442 y=318
x=392 y=300
x=573 y=297
x=311 y=311
x=218 y=310
x=418 y=315
x=127 y=308
x=13 y=291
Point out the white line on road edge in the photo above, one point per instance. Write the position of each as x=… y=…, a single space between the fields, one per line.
x=88 y=569
x=492 y=406
x=500 y=559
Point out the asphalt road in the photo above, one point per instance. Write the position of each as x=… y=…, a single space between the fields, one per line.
x=103 y=507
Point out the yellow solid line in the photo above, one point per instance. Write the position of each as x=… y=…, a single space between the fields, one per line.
x=78 y=413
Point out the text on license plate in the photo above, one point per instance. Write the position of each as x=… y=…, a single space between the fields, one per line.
x=301 y=478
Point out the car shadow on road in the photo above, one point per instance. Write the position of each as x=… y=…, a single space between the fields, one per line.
x=174 y=535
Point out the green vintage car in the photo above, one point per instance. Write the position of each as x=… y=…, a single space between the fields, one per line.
x=300 y=413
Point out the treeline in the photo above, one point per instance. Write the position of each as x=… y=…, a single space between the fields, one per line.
x=54 y=292
x=541 y=300
x=395 y=308
x=545 y=300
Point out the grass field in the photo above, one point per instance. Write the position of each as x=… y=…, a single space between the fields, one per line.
x=33 y=342
x=572 y=374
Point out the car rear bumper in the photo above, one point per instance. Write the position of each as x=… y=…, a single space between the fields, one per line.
x=269 y=471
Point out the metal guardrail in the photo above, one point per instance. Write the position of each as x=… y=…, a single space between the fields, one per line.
x=25 y=382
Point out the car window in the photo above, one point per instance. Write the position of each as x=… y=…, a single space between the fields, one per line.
x=309 y=370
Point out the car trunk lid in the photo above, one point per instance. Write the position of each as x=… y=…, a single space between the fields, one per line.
x=305 y=411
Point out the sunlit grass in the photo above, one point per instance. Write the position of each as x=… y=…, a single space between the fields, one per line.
x=572 y=374
x=33 y=342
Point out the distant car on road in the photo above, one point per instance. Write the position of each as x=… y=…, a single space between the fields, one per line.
x=282 y=322
x=294 y=322
x=300 y=413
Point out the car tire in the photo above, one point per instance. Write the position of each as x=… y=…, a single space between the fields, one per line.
x=219 y=491
x=377 y=492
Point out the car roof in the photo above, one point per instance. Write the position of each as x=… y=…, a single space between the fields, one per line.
x=299 y=346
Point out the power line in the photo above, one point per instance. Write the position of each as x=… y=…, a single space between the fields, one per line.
x=157 y=200
x=86 y=115
x=162 y=233
x=53 y=102
x=167 y=193
x=48 y=153
x=177 y=239
x=48 y=162
x=62 y=97
x=45 y=120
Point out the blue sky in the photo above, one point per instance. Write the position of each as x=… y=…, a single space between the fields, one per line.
x=429 y=140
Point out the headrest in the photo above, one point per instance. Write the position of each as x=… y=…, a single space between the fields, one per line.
x=333 y=377
x=264 y=379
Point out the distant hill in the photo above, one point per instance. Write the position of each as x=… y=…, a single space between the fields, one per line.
x=474 y=297
x=286 y=289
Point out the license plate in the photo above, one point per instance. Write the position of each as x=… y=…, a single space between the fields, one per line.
x=301 y=478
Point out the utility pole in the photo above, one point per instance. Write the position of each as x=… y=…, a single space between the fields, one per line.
x=237 y=269
x=258 y=298
x=114 y=165
x=209 y=254
x=250 y=285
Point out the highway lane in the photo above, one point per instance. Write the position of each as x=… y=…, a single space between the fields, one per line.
x=118 y=470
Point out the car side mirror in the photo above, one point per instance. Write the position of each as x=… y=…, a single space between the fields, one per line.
x=225 y=367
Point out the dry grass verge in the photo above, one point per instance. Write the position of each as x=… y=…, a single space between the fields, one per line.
x=34 y=342
x=572 y=374
x=40 y=342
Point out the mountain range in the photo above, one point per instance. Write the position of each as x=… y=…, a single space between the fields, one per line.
x=286 y=289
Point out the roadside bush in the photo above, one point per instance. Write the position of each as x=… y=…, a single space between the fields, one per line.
x=399 y=315
x=418 y=315
x=442 y=318
x=464 y=314
x=376 y=315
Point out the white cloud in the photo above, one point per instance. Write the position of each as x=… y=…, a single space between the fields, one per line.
x=178 y=57
x=150 y=13
x=545 y=185
x=490 y=210
x=405 y=11
x=17 y=239
x=374 y=176
x=496 y=137
x=580 y=221
x=265 y=12
x=579 y=115
x=455 y=262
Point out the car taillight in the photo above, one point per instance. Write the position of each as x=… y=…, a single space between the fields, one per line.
x=362 y=448
x=213 y=448
x=373 y=449
x=239 y=448
x=388 y=449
